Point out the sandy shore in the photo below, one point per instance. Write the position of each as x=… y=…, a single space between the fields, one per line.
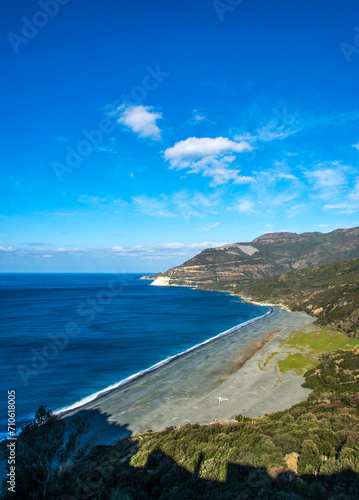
x=215 y=382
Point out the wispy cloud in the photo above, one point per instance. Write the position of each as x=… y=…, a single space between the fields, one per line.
x=279 y=172
x=106 y=149
x=140 y=119
x=342 y=208
x=197 y=117
x=142 y=252
x=244 y=207
x=182 y=204
x=328 y=178
x=270 y=132
x=219 y=172
x=166 y=249
x=41 y=252
x=351 y=203
x=91 y=200
x=97 y=202
x=334 y=118
x=154 y=206
x=209 y=226
x=281 y=199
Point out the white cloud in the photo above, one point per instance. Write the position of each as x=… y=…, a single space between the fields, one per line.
x=244 y=179
x=4 y=249
x=285 y=176
x=356 y=146
x=141 y=120
x=195 y=148
x=208 y=156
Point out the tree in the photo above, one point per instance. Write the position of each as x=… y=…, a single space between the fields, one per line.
x=309 y=458
x=46 y=450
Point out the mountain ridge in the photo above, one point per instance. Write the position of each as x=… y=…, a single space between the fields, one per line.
x=234 y=264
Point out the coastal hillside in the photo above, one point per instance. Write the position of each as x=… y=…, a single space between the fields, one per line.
x=330 y=292
x=309 y=451
x=271 y=254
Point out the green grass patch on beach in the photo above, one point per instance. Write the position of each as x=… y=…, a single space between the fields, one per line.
x=299 y=363
x=304 y=349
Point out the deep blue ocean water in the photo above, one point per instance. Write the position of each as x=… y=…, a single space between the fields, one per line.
x=67 y=336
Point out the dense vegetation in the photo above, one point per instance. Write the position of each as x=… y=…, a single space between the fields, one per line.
x=310 y=451
x=329 y=291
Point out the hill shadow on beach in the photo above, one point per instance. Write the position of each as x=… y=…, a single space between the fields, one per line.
x=100 y=429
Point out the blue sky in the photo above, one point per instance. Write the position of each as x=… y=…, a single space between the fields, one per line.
x=135 y=134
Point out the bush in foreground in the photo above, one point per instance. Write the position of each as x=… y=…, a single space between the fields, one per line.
x=46 y=451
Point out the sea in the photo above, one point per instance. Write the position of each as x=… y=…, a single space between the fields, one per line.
x=66 y=338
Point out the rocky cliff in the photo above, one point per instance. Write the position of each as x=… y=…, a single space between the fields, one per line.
x=231 y=265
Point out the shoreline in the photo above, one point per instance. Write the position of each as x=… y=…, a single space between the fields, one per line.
x=122 y=383
x=212 y=382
